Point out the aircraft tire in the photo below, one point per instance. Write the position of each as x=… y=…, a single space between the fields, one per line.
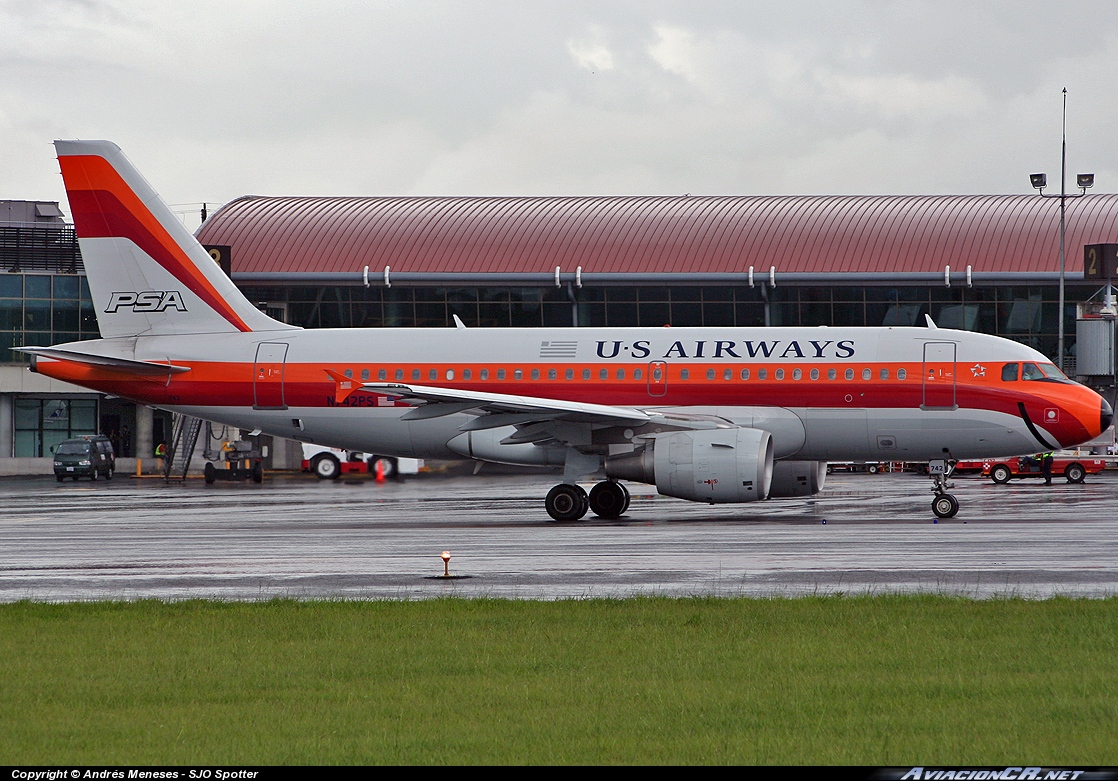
x=945 y=506
x=566 y=502
x=608 y=499
x=1000 y=474
x=1075 y=473
x=326 y=467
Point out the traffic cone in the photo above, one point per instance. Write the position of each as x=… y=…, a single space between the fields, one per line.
x=380 y=471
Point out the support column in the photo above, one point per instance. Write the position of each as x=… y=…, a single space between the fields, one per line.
x=7 y=433
x=144 y=448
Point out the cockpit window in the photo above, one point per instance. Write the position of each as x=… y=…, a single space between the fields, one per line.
x=1009 y=372
x=1043 y=371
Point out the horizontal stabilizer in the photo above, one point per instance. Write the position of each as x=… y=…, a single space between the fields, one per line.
x=125 y=365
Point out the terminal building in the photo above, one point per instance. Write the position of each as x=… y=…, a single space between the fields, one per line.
x=981 y=263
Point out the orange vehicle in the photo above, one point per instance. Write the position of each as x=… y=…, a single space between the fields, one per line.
x=1073 y=468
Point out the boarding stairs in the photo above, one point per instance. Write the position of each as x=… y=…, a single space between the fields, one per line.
x=177 y=463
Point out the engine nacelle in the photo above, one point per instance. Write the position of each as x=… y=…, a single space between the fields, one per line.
x=798 y=478
x=715 y=465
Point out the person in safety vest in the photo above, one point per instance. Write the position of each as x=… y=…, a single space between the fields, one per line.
x=1046 y=467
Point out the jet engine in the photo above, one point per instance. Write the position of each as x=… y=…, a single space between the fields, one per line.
x=714 y=465
x=798 y=478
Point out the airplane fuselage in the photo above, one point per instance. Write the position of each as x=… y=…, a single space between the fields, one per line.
x=909 y=394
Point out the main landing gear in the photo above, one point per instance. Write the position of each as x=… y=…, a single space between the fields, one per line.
x=944 y=505
x=568 y=502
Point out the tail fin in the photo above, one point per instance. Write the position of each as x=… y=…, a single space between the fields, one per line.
x=147 y=273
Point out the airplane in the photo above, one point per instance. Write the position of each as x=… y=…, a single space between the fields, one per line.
x=707 y=414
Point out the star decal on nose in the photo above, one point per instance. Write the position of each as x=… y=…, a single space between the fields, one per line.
x=978 y=370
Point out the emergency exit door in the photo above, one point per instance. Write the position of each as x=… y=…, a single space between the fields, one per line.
x=939 y=375
x=268 y=378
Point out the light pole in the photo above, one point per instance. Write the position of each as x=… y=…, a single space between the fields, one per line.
x=1082 y=181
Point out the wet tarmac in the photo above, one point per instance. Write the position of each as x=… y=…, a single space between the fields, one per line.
x=303 y=538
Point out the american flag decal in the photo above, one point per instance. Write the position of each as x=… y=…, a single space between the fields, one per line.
x=558 y=349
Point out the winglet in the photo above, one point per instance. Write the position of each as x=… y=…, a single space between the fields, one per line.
x=343 y=386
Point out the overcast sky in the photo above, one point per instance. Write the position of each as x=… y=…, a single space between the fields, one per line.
x=213 y=100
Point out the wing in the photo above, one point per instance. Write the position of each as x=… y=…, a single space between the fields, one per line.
x=503 y=409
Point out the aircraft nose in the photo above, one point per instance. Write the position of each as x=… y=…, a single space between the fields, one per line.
x=1106 y=416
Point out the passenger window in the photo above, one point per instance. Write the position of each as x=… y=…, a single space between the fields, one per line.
x=348 y=373
x=500 y=374
x=831 y=374
x=637 y=374
x=399 y=374
x=762 y=374
x=620 y=374
x=745 y=374
x=382 y=375
x=901 y=374
x=569 y=374
x=728 y=374
x=603 y=374
x=710 y=374
x=796 y=374
x=1009 y=372
x=364 y=374
x=467 y=374
x=867 y=374
x=433 y=374
x=415 y=374
x=551 y=375
x=657 y=374
x=884 y=374
x=684 y=374
x=814 y=374
x=535 y=374
x=849 y=374
x=780 y=374
x=450 y=374
x=484 y=374
x=586 y=374
x=517 y=374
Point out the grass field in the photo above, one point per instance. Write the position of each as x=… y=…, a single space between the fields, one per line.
x=836 y=680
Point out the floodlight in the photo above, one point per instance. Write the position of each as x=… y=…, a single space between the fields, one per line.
x=1083 y=181
x=1039 y=181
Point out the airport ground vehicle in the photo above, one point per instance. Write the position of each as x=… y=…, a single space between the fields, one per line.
x=716 y=415
x=1074 y=469
x=86 y=456
x=242 y=462
x=330 y=463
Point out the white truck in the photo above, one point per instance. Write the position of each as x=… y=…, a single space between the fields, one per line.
x=330 y=463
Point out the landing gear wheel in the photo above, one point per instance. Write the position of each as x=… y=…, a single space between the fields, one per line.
x=210 y=472
x=566 y=502
x=327 y=467
x=1075 y=473
x=1000 y=474
x=608 y=500
x=945 y=506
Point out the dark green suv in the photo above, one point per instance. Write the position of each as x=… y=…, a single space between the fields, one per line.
x=87 y=456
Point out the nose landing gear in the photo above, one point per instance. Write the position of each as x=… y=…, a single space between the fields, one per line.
x=944 y=505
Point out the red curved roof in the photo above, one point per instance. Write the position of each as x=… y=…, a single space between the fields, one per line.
x=689 y=234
